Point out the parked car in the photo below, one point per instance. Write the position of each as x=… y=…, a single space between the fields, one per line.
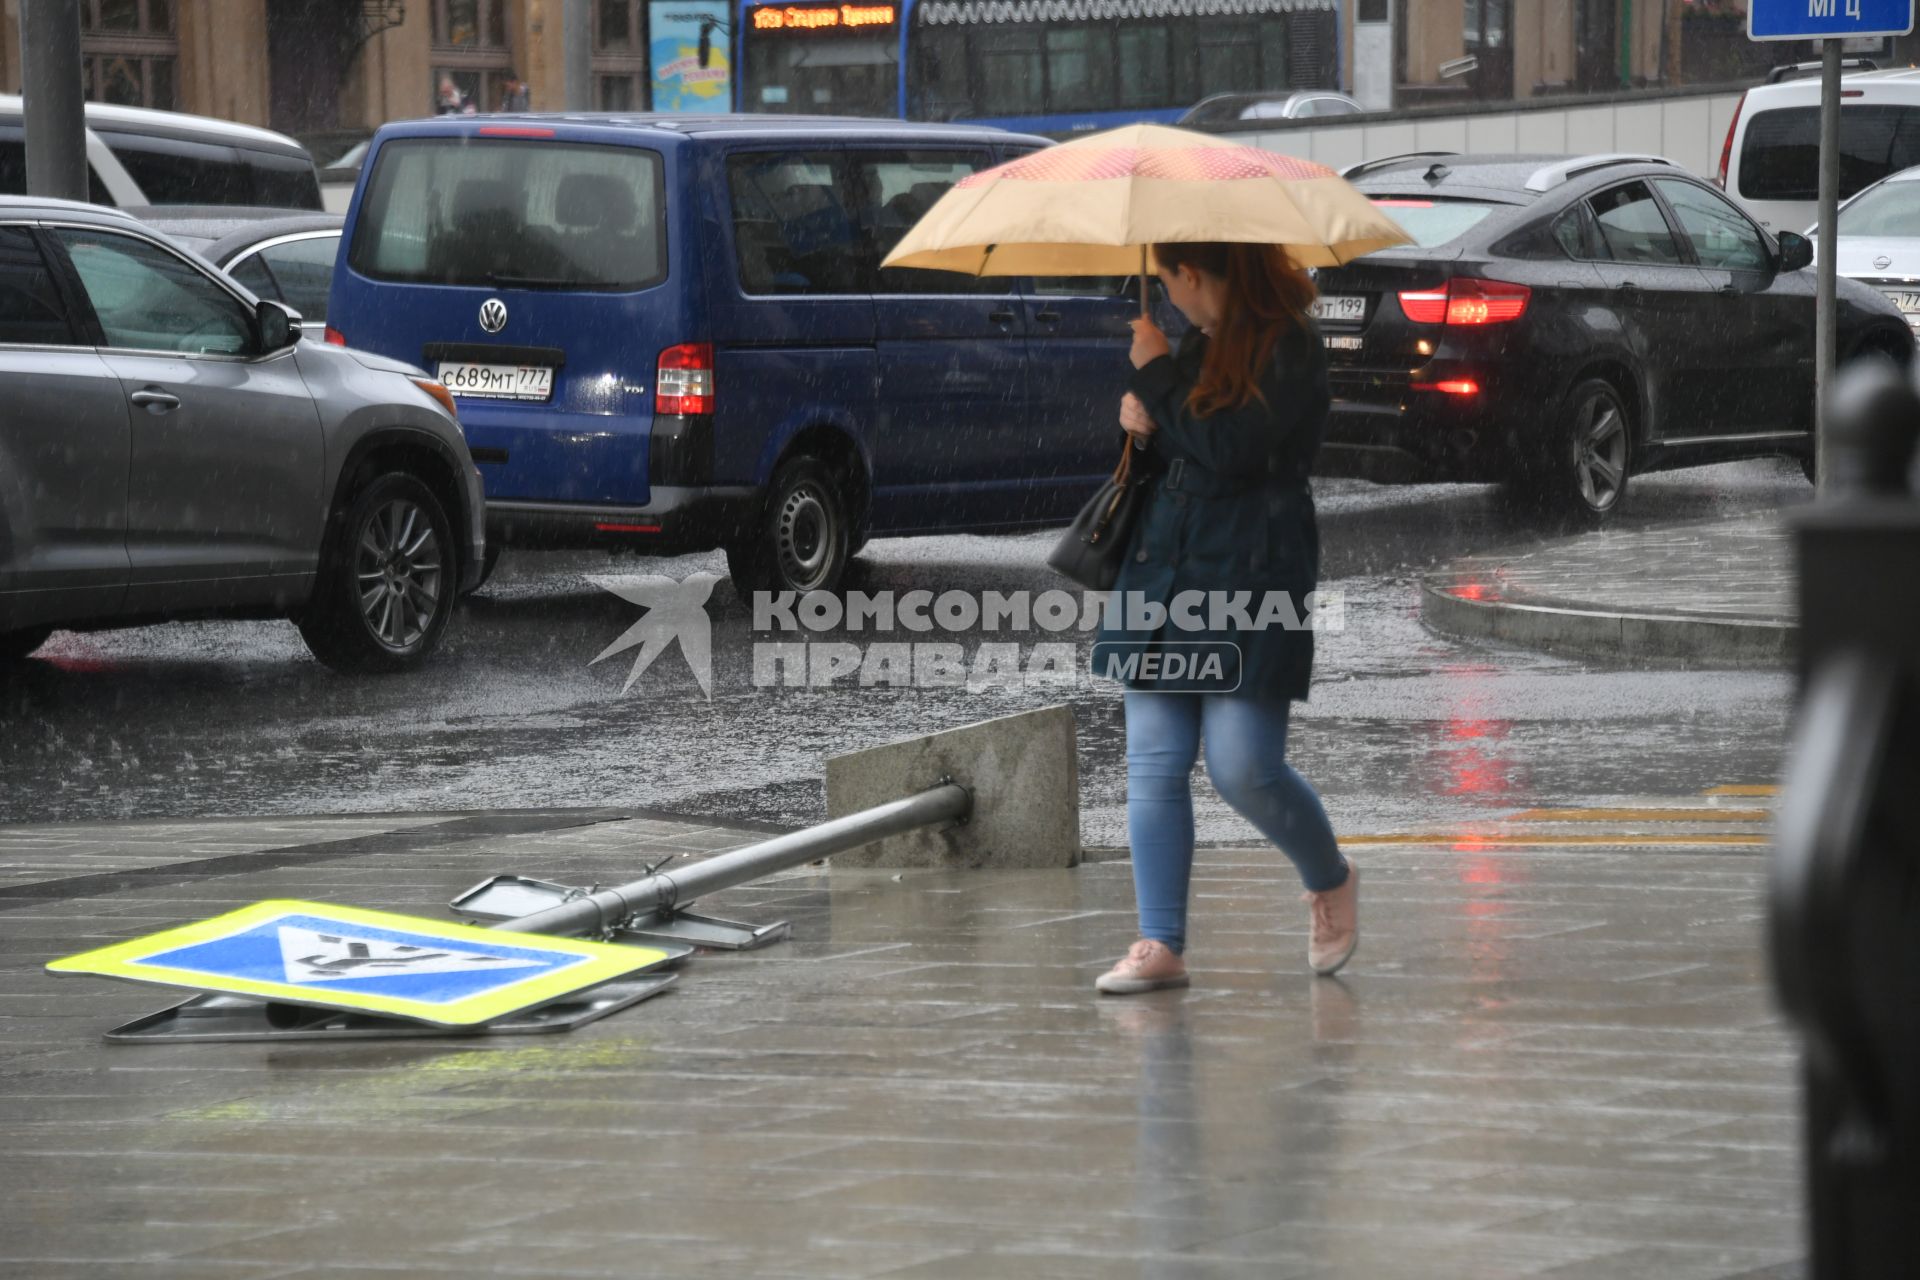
x=675 y=335
x=285 y=255
x=1878 y=240
x=170 y=451
x=1566 y=322
x=1298 y=105
x=1770 y=161
x=140 y=157
x=339 y=175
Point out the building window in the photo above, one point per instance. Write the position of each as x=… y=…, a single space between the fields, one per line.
x=129 y=50
x=472 y=55
x=619 y=55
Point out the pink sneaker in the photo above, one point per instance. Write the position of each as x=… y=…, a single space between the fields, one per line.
x=1335 y=927
x=1148 y=966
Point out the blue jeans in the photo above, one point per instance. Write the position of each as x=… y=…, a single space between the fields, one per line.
x=1246 y=758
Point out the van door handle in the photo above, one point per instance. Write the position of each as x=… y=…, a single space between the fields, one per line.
x=155 y=401
x=1048 y=316
x=1002 y=316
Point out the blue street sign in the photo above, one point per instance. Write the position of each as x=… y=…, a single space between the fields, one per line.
x=370 y=961
x=1827 y=19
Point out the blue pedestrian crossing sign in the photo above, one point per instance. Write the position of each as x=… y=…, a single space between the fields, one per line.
x=1827 y=19
x=312 y=953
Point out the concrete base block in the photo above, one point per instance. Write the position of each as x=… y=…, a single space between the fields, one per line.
x=1025 y=777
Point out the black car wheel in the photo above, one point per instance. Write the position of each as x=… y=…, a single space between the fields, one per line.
x=1593 y=453
x=15 y=645
x=804 y=537
x=386 y=580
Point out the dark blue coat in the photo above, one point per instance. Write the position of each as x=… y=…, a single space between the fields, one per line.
x=1228 y=510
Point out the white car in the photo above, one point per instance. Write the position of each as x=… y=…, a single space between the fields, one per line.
x=1878 y=240
x=1770 y=162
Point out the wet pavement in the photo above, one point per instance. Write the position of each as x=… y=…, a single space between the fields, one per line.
x=1714 y=593
x=1405 y=727
x=1553 y=1056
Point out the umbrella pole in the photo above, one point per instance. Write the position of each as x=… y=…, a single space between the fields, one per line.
x=1143 y=282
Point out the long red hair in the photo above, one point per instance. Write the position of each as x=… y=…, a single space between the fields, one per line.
x=1267 y=294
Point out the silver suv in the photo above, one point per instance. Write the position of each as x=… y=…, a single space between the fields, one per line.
x=169 y=449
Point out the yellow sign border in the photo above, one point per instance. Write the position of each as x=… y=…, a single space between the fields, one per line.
x=604 y=962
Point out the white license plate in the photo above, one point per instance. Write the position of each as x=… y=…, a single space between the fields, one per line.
x=1907 y=302
x=1353 y=309
x=497 y=381
x=1338 y=342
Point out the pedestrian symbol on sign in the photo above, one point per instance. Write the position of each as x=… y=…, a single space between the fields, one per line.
x=366 y=961
x=311 y=956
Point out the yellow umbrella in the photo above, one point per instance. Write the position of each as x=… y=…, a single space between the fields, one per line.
x=1093 y=206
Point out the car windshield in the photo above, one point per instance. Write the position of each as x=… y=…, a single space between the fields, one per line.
x=1891 y=209
x=520 y=214
x=1432 y=223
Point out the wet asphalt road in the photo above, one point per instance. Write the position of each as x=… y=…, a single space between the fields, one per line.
x=1406 y=731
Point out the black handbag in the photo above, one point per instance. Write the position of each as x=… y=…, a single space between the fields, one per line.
x=1091 y=550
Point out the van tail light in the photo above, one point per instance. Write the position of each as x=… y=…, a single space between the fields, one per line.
x=335 y=337
x=1466 y=301
x=1726 y=148
x=683 y=382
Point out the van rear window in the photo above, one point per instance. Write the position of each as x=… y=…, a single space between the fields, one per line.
x=512 y=214
x=1780 y=155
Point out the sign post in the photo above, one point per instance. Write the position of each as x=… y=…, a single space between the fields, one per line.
x=1830 y=22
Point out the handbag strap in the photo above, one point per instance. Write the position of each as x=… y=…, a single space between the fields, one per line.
x=1124 y=472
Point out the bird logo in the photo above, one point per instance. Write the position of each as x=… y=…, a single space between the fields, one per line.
x=675 y=611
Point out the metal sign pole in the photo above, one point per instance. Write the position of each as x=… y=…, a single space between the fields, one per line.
x=55 y=105
x=654 y=906
x=576 y=49
x=1827 y=247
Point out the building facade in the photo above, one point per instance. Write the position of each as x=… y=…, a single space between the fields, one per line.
x=315 y=67
x=311 y=67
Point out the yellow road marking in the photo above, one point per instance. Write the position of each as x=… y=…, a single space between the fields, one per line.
x=1642 y=815
x=1510 y=840
x=1741 y=791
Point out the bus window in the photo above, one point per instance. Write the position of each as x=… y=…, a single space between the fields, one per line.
x=1146 y=74
x=1080 y=67
x=1012 y=72
x=831 y=59
x=938 y=80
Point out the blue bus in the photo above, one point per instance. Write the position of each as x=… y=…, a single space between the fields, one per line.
x=1040 y=66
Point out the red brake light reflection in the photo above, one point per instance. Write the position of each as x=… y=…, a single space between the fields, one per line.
x=335 y=337
x=509 y=131
x=1451 y=386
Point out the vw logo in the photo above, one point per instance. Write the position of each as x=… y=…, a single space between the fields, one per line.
x=1882 y=262
x=493 y=315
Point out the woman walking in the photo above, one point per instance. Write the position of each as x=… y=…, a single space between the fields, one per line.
x=1228 y=426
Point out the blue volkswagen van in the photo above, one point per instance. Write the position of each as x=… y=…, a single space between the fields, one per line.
x=673 y=333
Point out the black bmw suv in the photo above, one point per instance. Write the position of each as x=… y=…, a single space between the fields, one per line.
x=1563 y=323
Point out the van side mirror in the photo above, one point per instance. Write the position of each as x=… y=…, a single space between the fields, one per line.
x=1796 y=251
x=278 y=326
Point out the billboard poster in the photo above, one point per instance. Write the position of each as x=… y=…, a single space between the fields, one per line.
x=680 y=83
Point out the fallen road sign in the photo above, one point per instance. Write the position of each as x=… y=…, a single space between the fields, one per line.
x=332 y=957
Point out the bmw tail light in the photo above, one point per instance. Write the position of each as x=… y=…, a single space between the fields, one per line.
x=1726 y=148
x=335 y=337
x=1466 y=301
x=1485 y=301
x=683 y=382
x=1425 y=306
